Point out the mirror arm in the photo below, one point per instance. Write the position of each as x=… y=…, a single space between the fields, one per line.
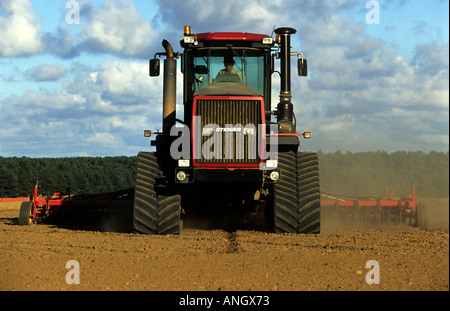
x=159 y=54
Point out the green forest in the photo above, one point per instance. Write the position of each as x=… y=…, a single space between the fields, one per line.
x=363 y=173
x=83 y=175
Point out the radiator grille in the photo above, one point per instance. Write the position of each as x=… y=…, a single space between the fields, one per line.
x=229 y=131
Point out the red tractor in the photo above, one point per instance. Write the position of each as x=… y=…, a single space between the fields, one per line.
x=232 y=150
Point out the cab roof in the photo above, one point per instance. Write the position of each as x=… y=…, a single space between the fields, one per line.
x=230 y=36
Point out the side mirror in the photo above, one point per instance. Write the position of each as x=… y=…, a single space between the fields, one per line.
x=154 y=67
x=302 y=67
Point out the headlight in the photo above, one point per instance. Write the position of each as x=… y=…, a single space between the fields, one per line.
x=181 y=175
x=267 y=40
x=250 y=131
x=183 y=163
x=274 y=175
x=272 y=163
x=207 y=131
x=189 y=39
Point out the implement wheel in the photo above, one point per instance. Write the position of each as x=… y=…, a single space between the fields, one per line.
x=422 y=215
x=25 y=213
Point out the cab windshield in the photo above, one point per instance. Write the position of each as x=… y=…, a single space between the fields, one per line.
x=226 y=65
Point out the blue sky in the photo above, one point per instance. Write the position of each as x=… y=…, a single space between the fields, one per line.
x=84 y=90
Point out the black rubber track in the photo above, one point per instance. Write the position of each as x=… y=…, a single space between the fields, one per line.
x=145 y=201
x=168 y=215
x=308 y=192
x=153 y=213
x=285 y=210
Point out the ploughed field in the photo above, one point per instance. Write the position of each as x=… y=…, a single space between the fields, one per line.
x=110 y=257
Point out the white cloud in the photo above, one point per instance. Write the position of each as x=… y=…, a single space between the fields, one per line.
x=20 y=35
x=46 y=72
x=339 y=127
x=434 y=139
x=102 y=138
x=212 y=15
x=117 y=28
x=363 y=90
x=103 y=112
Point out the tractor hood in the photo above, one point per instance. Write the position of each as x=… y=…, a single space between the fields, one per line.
x=228 y=89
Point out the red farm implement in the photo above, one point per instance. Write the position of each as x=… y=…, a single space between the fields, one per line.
x=385 y=209
x=40 y=208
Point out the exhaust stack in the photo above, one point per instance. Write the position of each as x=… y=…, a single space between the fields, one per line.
x=169 y=88
x=285 y=108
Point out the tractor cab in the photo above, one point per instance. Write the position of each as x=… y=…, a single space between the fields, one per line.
x=226 y=64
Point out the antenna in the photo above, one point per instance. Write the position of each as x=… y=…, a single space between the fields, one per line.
x=273 y=30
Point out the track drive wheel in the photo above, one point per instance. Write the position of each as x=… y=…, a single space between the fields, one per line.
x=155 y=211
x=24 y=213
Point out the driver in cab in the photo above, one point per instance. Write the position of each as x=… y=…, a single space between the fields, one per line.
x=228 y=62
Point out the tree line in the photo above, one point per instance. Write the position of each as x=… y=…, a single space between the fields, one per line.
x=344 y=173
x=83 y=175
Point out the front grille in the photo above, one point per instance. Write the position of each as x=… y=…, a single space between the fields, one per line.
x=229 y=131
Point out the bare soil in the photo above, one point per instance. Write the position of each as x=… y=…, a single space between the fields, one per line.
x=410 y=259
